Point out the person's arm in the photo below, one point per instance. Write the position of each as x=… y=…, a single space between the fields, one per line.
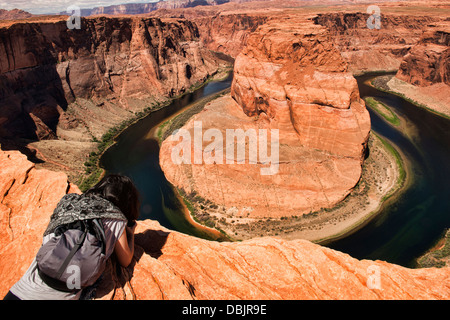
x=124 y=247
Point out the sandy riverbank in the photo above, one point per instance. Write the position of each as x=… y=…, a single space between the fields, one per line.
x=434 y=98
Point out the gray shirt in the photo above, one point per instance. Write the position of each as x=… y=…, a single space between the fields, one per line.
x=31 y=286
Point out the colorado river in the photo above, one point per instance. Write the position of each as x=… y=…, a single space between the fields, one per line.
x=403 y=230
x=411 y=224
x=136 y=155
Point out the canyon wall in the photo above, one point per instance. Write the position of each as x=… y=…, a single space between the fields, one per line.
x=428 y=62
x=120 y=65
x=143 y=8
x=171 y=266
x=374 y=49
x=228 y=33
x=226 y=28
x=424 y=73
x=292 y=79
x=62 y=89
x=54 y=78
x=222 y=29
x=117 y=66
x=413 y=43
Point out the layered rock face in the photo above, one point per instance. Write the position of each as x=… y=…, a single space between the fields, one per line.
x=228 y=33
x=169 y=265
x=428 y=62
x=374 y=49
x=424 y=74
x=291 y=79
x=223 y=28
x=116 y=66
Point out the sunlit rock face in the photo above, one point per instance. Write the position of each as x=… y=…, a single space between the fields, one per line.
x=107 y=69
x=289 y=79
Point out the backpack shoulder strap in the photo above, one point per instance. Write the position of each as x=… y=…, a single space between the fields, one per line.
x=72 y=252
x=99 y=226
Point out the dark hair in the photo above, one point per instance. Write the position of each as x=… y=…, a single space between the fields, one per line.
x=121 y=191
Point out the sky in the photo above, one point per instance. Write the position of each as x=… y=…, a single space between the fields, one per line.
x=56 y=6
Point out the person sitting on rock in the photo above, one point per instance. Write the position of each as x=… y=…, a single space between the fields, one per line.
x=84 y=231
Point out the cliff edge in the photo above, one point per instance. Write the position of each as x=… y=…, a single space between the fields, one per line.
x=171 y=265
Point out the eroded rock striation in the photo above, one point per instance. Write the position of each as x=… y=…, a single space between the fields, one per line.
x=53 y=77
x=170 y=265
x=428 y=62
x=424 y=74
x=371 y=49
x=292 y=79
x=228 y=33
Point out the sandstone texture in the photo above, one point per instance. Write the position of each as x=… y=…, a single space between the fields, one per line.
x=293 y=73
x=53 y=77
x=289 y=78
x=71 y=86
x=142 y=8
x=424 y=74
x=228 y=33
x=172 y=266
x=428 y=62
x=374 y=49
x=226 y=27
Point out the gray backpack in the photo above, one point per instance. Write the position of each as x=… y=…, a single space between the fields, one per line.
x=75 y=255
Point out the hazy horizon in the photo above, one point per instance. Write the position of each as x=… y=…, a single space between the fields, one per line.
x=51 y=6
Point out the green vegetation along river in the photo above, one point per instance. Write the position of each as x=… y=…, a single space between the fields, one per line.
x=418 y=218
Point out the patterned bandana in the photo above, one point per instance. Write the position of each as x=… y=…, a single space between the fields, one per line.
x=74 y=207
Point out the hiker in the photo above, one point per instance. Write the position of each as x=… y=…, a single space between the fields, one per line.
x=83 y=232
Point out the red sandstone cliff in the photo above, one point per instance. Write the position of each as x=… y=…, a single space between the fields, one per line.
x=424 y=73
x=98 y=75
x=228 y=33
x=374 y=49
x=27 y=197
x=169 y=265
x=291 y=78
x=221 y=30
x=428 y=62
x=226 y=28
